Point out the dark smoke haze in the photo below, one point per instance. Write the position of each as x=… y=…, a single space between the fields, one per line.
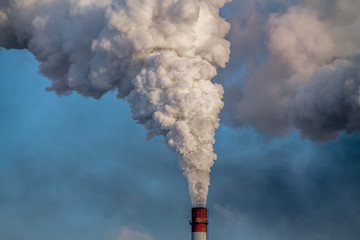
x=300 y=67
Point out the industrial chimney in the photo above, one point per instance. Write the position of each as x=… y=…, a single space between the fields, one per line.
x=199 y=224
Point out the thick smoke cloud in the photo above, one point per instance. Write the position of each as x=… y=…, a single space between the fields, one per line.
x=302 y=70
x=160 y=55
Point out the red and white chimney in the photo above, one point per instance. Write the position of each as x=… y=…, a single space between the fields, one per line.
x=199 y=224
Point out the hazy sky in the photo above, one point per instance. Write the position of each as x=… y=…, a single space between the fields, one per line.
x=80 y=169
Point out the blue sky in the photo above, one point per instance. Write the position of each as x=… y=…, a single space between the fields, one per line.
x=78 y=168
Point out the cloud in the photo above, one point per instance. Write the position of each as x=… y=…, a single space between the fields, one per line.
x=127 y=233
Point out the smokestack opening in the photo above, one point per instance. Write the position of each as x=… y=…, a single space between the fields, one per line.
x=198 y=223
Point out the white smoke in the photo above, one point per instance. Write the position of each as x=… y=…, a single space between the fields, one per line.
x=321 y=94
x=308 y=77
x=160 y=54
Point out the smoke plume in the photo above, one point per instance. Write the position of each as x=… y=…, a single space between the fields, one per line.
x=160 y=55
x=294 y=65
x=302 y=68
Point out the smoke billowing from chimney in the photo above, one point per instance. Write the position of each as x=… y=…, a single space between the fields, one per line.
x=160 y=55
x=299 y=64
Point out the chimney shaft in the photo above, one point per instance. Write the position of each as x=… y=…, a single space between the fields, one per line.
x=199 y=224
